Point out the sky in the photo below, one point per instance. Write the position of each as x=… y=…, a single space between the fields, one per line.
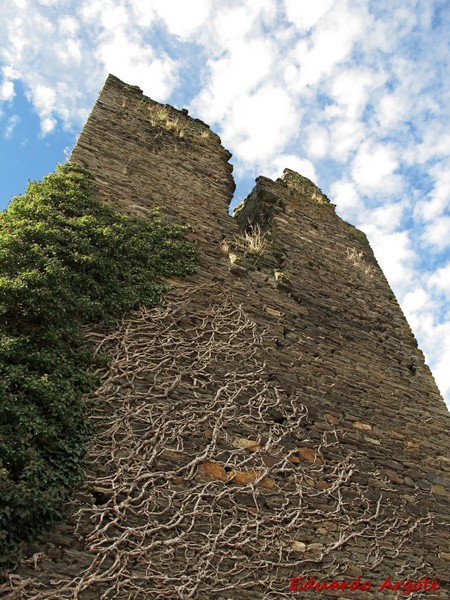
x=353 y=94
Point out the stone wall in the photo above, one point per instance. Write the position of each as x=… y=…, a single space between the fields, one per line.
x=151 y=152
x=274 y=419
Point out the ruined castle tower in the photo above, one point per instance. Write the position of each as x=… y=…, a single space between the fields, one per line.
x=274 y=419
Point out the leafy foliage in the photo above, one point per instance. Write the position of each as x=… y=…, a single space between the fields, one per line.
x=65 y=260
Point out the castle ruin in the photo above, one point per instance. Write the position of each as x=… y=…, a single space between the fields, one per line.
x=273 y=419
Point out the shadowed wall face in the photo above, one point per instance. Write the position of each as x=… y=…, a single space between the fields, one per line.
x=275 y=418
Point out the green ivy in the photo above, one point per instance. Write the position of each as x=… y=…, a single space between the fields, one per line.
x=65 y=260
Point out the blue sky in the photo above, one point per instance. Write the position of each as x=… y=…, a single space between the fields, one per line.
x=353 y=94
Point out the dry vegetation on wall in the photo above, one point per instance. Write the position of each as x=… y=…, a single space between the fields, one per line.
x=205 y=483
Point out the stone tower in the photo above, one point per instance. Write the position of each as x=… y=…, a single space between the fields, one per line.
x=274 y=419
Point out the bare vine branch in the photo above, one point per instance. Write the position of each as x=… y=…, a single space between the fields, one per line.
x=200 y=490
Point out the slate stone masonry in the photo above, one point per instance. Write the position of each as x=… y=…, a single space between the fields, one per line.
x=333 y=339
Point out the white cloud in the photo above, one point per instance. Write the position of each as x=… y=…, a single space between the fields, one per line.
x=233 y=77
x=318 y=141
x=6 y=90
x=9 y=72
x=440 y=280
x=388 y=217
x=142 y=13
x=441 y=365
x=437 y=233
x=374 y=166
x=243 y=20
x=182 y=18
x=69 y=51
x=346 y=197
x=11 y=124
x=302 y=166
x=260 y=124
x=17 y=41
x=68 y=25
x=414 y=301
x=306 y=14
x=435 y=144
x=330 y=44
x=346 y=136
x=114 y=17
x=439 y=198
x=47 y=125
x=394 y=252
x=351 y=89
x=91 y=11
x=436 y=345
x=233 y=24
x=391 y=109
x=136 y=63
x=43 y=98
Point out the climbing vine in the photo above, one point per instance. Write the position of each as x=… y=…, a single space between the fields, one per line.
x=206 y=483
x=66 y=260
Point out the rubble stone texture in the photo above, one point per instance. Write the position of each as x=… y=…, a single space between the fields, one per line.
x=273 y=419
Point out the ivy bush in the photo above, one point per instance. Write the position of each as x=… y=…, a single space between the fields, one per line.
x=66 y=259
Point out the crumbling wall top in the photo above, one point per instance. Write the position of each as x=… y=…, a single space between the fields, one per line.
x=143 y=155
x=303 y=186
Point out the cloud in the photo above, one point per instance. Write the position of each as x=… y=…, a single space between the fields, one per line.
x=113 y=18
x=233 y=24
x=437 y=233
x=440 y=365
x=438 y=200
x=388 y=217
x=440 y=279
x=351 y=89
x=68 y=25
x=6 y=90
x=391 y=110
x=346 y=197
x=394 y=252
x=318 y=141
x=414 y=301
x=306 y=14
x=374 y=166
x=11 y=124
x=135 y=62
x=295 y=163
x=47 y=125
x=345 y=137
x=434 y=144
x=43 y=97
x=104 y=15
x=435 y=341
x=182 y=18
x=260 y=124
x=233 y=77
x=332 y=43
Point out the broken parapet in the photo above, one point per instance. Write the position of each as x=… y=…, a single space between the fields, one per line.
x=303 y=186
x=153 y=155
